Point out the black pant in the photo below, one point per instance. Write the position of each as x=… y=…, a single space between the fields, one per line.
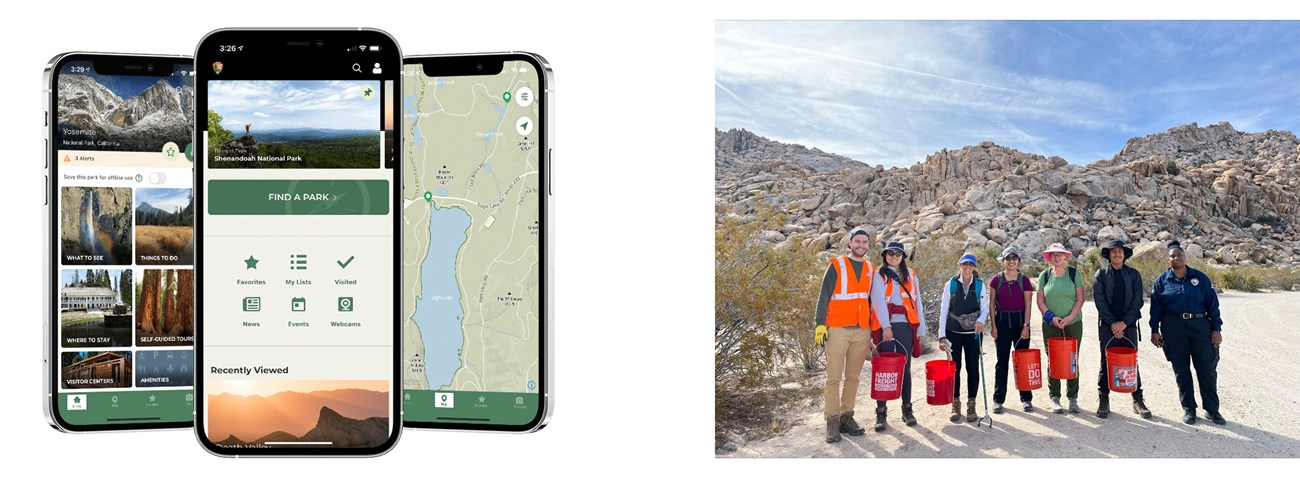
x=1187 y=343
x=903 y=339
x=964 y=344
x=1009 y=325
x=1130 y=341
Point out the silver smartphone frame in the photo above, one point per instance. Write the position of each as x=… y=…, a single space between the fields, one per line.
x=47 y=279
x=548 y=345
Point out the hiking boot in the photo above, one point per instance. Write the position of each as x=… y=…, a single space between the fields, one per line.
x=907 y=415
x=970 y=411
x=1103 y=405
x=956 y=411
x=880 y=419
x=1216 y=418
x=997 y=408
x=1140 y=407
x=848 y=425
x=1074 y=405
x=832 y=429
x=1189 y=416
x=1029 y=406
x=1056 y=405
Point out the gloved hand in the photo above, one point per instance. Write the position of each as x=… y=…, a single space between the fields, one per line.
x=819 y=335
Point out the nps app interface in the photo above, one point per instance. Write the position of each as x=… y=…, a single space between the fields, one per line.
x=471 y=231
x=125 y=220
x=298 y=258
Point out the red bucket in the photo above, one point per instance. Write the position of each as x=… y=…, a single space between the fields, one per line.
x=1063 y=355
x=938 y=382
x=887 y=375
x=1029 y=369
x=1122 y=367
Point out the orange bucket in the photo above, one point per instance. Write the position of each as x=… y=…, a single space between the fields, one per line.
x=887 y=375
x=1063 y=356
x=938 y=382
x=1029 y=368
x=1122 y=367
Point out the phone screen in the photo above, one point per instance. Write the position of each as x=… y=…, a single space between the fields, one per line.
x=122 y=209
x=473 y=230
x=298 y=256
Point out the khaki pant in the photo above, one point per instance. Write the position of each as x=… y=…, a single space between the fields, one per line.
x=846 y=352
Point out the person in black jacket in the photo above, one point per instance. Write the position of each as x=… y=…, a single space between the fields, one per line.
x=1117 y=293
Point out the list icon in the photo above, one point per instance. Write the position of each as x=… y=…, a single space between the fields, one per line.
x=298 y=261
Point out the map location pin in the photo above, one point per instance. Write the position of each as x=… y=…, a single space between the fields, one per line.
x=506 y=96
x=428 y=195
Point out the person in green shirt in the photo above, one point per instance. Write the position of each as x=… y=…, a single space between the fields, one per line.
x=1060 y=292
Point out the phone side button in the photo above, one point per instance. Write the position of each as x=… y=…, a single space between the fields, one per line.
x=550 y=154
x=47 y=153
x=47 y=190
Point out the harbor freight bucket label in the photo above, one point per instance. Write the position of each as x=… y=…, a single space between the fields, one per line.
x=1035 y=373
x=929 y=388
x=886 y=382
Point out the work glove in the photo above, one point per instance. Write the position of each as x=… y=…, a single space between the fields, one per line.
x=819 y=335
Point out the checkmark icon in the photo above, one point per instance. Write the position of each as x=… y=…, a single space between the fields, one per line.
x=344 y=264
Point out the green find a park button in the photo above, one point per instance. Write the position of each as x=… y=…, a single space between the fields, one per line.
x=298 y=197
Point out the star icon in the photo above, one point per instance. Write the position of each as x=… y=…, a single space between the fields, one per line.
x=250 y=263
x=152 y=398
x=481 y=399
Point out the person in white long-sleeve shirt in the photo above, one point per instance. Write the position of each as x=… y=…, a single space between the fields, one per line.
x=964 y=296
x=899 y=321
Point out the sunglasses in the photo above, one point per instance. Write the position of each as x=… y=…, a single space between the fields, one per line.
x=1011 y=258
x=893 y=254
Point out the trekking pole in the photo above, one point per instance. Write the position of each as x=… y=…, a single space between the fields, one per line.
x=979 y=339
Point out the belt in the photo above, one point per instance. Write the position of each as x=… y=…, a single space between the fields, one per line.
x=1186 y=315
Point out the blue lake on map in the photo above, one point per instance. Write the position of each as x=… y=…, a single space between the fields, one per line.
x=438 y=311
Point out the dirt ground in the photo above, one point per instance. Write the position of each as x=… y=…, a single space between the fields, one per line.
x=1257 y=384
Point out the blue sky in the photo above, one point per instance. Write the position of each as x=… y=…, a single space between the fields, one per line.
x=892 y=92
x=127 y=86
x=165 y=199
x=282 y=104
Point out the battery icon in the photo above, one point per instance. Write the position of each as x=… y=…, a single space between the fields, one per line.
x=374 y=48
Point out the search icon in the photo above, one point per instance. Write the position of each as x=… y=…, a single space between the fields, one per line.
x=356 y=67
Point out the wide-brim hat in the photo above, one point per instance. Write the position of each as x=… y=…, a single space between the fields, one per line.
x=1057 y=247
x=1105 y=251
x=894 y=246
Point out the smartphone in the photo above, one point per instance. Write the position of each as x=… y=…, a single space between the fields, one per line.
x=299 y=179
x=119 y=254
x=476 y=257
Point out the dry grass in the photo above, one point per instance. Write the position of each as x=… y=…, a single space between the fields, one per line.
x=152 y=240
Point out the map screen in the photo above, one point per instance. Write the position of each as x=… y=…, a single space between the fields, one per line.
x=470 y=259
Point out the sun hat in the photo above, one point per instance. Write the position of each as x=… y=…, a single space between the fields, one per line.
x=1105 y=251
x=968 y=258
x=1057 y=247
x=894 y=246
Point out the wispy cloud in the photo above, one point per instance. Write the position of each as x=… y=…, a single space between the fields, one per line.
x=893 y=92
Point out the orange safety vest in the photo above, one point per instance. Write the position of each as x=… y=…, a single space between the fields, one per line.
x=909 y=300
x=850 y=303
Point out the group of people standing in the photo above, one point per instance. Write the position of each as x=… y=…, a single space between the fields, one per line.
x=865 y=308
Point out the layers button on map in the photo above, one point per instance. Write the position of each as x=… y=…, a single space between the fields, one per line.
x=298 y=197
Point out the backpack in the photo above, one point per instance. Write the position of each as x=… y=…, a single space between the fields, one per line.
x=955 y=283
x=1069 y=271
x=1005 y=280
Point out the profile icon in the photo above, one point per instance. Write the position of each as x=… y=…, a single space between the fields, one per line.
x=216 y=67
x=378 y=70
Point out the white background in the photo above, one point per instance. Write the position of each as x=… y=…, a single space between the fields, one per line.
x=633 y=176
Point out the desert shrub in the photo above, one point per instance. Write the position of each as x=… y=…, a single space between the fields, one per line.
x=763 y=316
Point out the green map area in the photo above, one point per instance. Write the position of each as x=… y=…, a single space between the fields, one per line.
x=471 y=211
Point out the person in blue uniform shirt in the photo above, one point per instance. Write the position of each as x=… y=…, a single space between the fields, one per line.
x=1185 y=322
